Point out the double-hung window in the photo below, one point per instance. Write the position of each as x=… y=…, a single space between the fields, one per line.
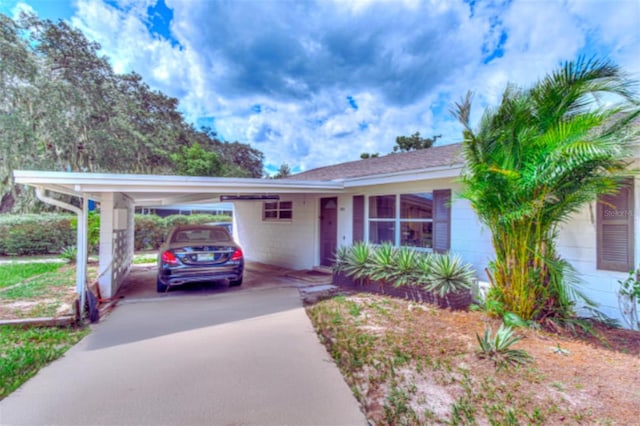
x=415 y=219
x=382 y=219
x=277 y=210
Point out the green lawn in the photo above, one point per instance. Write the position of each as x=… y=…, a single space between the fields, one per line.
x=145 y=258
x=13 y=273
x=24 y=351
x=47 y=284
x=40 y=288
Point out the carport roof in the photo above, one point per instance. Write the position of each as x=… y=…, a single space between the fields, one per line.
x=155 y=190
x=158 y=190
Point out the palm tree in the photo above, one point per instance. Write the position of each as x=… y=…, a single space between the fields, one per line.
x=536 y=159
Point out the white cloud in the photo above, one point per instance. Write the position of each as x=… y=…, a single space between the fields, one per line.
x=21 y=7
x=403 y=63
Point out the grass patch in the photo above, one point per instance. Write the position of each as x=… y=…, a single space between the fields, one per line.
x=48 y=294
x=141 y=259
x=13 y=273
x=47 y=284
x=24 y=351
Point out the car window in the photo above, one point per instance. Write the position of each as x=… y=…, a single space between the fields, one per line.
x=200 y=235
x=180 y=237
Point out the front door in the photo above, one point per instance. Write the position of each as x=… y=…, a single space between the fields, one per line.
x=328 y=230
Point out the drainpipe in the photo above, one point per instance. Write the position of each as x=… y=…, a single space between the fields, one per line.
x=81 y=255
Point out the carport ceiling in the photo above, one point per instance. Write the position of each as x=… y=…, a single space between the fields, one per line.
x=155 y=190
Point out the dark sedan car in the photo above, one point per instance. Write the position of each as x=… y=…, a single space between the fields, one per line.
x=195 y=253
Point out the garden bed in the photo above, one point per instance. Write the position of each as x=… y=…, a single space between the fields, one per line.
x=458 y=301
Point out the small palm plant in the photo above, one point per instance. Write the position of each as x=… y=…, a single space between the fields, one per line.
x=498 y=348
x=405 y=266
x=448 y=274
x=358 y=261
x=340 y=259
x=69 y=254
x=383 y=263
x=424 y=266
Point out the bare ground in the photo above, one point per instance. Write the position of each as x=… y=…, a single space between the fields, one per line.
x=420 y=365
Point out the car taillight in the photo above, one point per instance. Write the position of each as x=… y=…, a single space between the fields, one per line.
x=237 y=255
x=170 y=258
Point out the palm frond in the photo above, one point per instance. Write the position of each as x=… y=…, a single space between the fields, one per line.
x=536 y=159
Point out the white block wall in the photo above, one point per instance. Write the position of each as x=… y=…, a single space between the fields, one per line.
x=291 y=244
x=469 y=238
x=116 y=242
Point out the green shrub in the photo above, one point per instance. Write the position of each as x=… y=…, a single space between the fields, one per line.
x=340 y=259
x=69 y=254
x=449 y=274
x=382 y=265
x=93 y=230
x=405 y=265
x=442 y=274
x=149 y=231
x=35 y=234
x=498 y=347
x=358 y=261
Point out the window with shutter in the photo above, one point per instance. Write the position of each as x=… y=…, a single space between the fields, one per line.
x=358 y=218
x=442 y=220
x=615 y=230
x=420 y=219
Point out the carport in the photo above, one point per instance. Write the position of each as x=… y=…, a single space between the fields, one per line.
x=119 y=195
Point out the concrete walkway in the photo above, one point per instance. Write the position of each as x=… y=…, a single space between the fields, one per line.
x=246 y=357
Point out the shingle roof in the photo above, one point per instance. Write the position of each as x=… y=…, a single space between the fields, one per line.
x=440 y=156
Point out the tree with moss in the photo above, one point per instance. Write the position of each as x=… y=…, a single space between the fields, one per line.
x=195 y=161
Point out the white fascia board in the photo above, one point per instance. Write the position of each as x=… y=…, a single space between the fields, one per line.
x=101 y=182
x=213 y=205
x=190 y=198
x=450 y=172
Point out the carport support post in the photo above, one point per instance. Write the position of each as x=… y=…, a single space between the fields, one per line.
x=81 y=256
x=105 y=264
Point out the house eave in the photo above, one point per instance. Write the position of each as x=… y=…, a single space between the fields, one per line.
x=441 y=172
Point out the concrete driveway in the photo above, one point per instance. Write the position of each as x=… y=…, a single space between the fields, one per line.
x=212 y=356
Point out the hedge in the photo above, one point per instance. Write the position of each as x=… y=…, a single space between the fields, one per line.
x=151 y=229
x=34 y=234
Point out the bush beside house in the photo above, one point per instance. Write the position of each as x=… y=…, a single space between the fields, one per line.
x=440 y=279
x=37 y=234
x=32 y=234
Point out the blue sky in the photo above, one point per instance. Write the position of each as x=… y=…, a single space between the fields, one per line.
x=312 y=83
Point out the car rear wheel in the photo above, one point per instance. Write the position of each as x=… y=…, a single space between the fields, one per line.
x=235 y=283
x=161 y=288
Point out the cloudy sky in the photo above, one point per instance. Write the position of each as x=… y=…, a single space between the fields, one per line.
x=312 y=83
